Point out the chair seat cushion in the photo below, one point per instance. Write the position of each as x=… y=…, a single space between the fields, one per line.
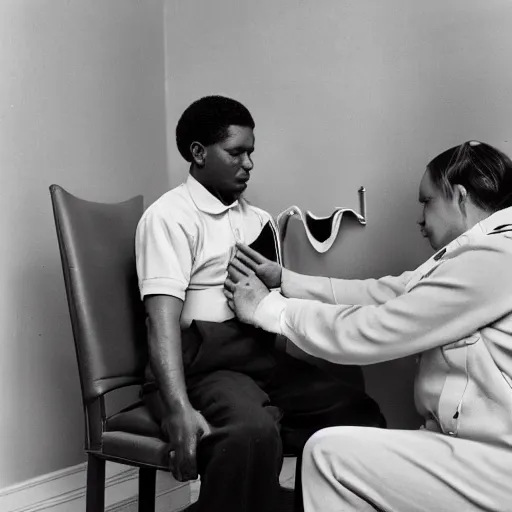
x=129 y=448
x=135 y=419
x=133 y=435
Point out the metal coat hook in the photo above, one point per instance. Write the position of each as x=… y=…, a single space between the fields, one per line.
x=362 y=203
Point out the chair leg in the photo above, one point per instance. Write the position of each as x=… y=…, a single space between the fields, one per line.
x=147 y=489
x=299 y=506
x=95 y=498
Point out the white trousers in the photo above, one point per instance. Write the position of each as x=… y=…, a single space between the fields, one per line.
x=367 y=469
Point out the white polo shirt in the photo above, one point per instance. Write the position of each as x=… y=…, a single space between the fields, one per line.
x=183 y=245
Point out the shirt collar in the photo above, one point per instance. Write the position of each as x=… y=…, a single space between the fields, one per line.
x=204 y=200
x=497 y=219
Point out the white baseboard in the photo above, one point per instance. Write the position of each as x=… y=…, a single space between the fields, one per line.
x=64 y=491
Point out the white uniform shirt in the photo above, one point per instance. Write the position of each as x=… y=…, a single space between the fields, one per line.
x=455 y=310
x=183 y=245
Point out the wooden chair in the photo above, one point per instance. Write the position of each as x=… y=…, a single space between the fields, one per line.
x=96 y=243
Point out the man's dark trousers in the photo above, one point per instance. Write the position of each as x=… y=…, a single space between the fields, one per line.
x=260 y=402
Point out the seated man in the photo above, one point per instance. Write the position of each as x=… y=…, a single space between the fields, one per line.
x=225 y=397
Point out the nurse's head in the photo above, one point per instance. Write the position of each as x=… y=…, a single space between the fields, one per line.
x=216 y=135
x=461 y=187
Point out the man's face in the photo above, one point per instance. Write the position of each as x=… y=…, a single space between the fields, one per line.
x=441 y=219
x=228 y=164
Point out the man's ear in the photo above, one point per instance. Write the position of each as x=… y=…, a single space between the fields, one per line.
x=198 y=152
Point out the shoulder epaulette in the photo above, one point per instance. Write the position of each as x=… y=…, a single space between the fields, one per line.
x=504 y=228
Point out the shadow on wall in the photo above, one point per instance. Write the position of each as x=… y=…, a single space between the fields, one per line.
x=391 y=384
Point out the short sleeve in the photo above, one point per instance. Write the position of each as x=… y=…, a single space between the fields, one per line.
x=163 y=250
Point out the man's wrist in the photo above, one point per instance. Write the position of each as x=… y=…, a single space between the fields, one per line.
x=269 y=311
x=175 y=403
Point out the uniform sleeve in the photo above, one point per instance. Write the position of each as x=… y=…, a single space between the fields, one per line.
x=369 y=291
x=301 y=286
x=163 y=251
x=343 y=291
x=461 y=296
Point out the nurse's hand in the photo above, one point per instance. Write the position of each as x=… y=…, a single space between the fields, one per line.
x=268 y=271
x=244 y=291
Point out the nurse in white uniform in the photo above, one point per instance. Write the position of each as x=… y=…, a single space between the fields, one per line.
x=454 y=312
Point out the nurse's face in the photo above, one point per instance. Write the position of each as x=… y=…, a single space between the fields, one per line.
x=441 y=219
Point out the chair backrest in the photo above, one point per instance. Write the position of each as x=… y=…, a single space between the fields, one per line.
x=97 y=249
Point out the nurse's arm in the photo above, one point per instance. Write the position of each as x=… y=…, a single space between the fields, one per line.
x=462 y=295
x=323 y=289
x=342 y=291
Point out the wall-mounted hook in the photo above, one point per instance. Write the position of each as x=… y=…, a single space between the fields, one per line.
x=362 y=203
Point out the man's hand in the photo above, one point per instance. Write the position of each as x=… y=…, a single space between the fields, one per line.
x=184 y=430
x=244 y=291
x=268 y=271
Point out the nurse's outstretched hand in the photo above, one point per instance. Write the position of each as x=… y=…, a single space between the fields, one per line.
x=244 y=291
x=268 y=271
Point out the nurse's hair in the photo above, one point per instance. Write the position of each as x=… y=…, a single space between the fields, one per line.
x=207 y=121
x=484 y=171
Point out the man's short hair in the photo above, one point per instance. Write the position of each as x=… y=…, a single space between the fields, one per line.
x=207 y=121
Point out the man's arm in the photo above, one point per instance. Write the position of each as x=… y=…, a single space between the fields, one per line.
x=182 y=424
x=165 y=356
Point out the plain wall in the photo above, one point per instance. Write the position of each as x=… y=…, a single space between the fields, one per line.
x=81 y=105
x=348 y=93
